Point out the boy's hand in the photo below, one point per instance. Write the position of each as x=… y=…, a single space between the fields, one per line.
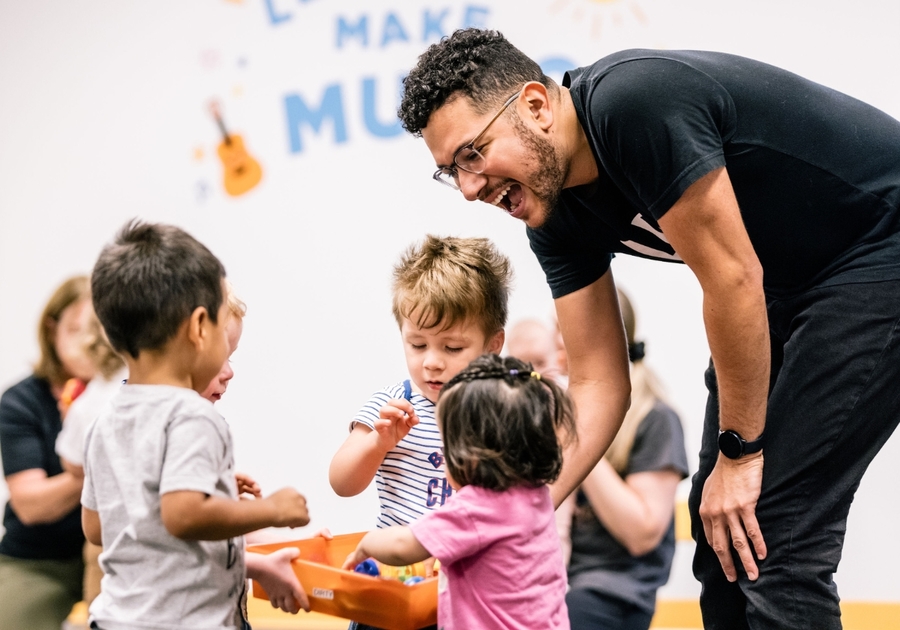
x=290 y=507
x=247 y=485
x=275 y=574
x=397 y=417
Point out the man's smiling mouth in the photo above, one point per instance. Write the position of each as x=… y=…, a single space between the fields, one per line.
x=508 y=198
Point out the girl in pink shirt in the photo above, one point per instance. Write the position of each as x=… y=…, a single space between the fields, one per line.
x=496 y=538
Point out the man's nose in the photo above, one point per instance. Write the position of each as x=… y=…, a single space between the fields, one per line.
x=470 y=184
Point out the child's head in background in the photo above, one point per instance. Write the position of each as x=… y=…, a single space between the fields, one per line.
x=158 y=291
x=503 y=425
x=234 y=327
x=450 y=300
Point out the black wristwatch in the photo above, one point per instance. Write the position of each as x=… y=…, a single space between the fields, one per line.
x=733 y=446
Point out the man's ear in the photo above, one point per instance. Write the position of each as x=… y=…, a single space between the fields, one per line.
x=495 y=344
x=197 y=326
x=536 y=105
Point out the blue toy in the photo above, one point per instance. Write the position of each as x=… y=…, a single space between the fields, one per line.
x=368 y=567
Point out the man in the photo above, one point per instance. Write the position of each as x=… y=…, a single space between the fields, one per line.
x=783 y=198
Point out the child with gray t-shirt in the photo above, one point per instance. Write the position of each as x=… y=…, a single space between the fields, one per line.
x=160 y=492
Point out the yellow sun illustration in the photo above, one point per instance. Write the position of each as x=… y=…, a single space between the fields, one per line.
x=599 y=14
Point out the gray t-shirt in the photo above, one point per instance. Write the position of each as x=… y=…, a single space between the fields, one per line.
x=150 y=440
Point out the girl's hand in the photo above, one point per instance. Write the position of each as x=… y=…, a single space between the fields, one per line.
x=357 y=556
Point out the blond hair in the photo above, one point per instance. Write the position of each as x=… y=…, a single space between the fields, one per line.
x=443 y=281
x=646 y=391
x=100 y=351
x=236 y=306
x=49 y=367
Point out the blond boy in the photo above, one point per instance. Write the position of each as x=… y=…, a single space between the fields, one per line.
x=450 y=301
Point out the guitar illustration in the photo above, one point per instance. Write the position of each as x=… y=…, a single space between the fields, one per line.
x=242 y=172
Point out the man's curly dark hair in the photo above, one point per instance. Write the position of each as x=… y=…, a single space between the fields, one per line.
x=479 y=64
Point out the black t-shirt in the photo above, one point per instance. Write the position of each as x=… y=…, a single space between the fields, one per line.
x=599 y=562
x=29 y=424
x=816 y=172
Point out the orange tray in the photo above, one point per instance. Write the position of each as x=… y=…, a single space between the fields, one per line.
x=374 y=601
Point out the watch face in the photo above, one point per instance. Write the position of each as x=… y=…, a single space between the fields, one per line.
x=731 y=445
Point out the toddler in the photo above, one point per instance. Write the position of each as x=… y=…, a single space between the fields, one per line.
x=501 y=563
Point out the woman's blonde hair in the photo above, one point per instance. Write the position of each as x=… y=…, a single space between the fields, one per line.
x=646 y=391
x=49 y=366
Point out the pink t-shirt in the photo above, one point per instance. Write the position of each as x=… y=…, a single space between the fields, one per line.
x=501 y=563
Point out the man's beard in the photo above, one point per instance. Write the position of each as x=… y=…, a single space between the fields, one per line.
x=548 y=174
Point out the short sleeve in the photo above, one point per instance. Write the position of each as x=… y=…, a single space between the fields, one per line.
x=195 y=450
x=659 y=443
x=21 y=435
x=450 y=533
x=371 y=411
x=88 y=496
x=659 y=125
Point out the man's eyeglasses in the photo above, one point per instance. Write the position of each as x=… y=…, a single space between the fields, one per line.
x=468 y=158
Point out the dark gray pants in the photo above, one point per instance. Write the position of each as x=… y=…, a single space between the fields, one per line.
x=834 y=402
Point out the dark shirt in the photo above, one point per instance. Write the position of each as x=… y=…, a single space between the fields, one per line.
x=816 y=173
x=29 y=424
x=599 y=562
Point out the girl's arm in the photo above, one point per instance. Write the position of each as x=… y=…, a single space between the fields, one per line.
x=395 y=546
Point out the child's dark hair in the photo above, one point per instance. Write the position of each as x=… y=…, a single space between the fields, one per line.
x=149 y=280
x=502 y=424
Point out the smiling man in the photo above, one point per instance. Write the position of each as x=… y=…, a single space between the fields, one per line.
x=783 y=198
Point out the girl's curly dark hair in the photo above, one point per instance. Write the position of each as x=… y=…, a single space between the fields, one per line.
x=503 y=425
x=479 y=64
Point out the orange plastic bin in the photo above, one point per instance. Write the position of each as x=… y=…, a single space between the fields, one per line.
x=375 y=601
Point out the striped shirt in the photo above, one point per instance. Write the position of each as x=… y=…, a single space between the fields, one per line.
x=411 y=480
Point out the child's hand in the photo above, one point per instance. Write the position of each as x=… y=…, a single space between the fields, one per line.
x=357 y=556
x=290 y=506
x=247 y=485
x=397 y=417
x=275 y=574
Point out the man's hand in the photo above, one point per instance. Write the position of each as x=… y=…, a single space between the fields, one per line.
x=728 y=512
x=395 y=420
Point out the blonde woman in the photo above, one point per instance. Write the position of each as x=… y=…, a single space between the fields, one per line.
x=622 y=530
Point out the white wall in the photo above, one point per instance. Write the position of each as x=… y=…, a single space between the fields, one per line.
x=103 y=118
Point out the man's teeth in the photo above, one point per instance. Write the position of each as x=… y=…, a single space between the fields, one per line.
x=496 y=200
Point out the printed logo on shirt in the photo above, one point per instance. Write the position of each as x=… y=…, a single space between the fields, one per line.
x=436 y=459
x=439 y=490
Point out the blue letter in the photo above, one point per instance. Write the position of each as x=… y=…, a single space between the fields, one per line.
x=446 y=490
x=432 y=486
x=274 y=18
x=298 y=113
x=372 y=124
x=433 y=25
x=361 y=29
x=393 y=29
x=475 y=17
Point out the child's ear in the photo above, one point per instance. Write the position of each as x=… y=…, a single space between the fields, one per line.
x=197 y=326
x=495 y=343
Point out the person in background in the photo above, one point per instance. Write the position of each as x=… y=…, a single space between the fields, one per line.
x=110 y=373
x=41 y=567
x=622 y=530
x=532 y=341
